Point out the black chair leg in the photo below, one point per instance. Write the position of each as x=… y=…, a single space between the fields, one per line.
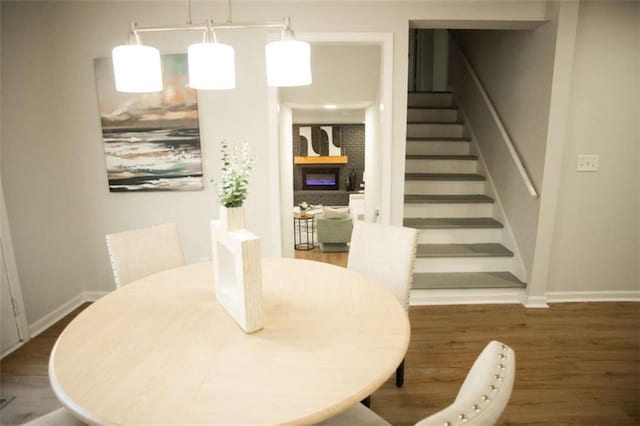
x=366 y=402
x=400 y=375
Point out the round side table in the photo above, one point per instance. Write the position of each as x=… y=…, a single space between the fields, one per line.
x=303 y=230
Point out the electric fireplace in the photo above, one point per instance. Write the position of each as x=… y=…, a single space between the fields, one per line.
x=320 y=178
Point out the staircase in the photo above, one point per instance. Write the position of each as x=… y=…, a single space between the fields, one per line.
x=461 y=242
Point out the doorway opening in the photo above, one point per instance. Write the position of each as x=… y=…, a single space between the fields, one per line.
x=331 y=136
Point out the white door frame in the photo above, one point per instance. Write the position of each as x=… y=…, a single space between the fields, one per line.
x=281 y=156
x=12 y=273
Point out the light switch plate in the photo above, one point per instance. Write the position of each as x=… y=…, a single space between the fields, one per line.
x=588 y=163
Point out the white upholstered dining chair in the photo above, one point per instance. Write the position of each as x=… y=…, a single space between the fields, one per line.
x=481 y=400
x=386 y=254
x=59 y=417
x=141 y=252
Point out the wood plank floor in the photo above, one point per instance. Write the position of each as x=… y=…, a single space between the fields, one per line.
x=24 y=374
x=338 y=258
x=577 y=363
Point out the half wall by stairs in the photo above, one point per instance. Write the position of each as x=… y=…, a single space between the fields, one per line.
x=462 y=244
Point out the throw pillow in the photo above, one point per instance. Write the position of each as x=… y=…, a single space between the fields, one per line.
x=335 y=212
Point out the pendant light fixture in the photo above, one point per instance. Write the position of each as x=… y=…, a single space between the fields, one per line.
x=288 y=61
x=137 y=68
x=211 y=64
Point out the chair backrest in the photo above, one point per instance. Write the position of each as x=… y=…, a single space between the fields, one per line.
x=385 y=254
x=141 y=252
x=485 y=392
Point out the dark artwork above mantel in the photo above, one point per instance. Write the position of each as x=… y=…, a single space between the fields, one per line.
x=317 y=140
x=340 y=146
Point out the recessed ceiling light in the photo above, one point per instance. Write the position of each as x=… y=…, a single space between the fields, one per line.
x=330 y=106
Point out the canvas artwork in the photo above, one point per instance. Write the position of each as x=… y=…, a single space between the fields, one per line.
x=151 y=140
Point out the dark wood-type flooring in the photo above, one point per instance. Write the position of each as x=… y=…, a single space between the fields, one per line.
x=577 y=363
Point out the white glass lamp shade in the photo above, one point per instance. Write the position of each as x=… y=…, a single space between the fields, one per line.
x=211 y=66
x=137 y=68
x=288 y=63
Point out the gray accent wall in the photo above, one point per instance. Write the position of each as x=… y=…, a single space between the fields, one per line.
x=352 y=144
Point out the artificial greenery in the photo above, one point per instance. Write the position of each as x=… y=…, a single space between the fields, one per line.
x=236 y=170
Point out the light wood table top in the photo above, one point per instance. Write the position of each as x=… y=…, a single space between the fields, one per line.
x=162 y=351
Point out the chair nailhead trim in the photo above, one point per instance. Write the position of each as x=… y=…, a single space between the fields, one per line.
x=462 y=417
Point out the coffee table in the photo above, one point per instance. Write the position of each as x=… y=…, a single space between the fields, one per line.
x=161 y=350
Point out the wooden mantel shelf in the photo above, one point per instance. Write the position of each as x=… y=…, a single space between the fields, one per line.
x=342 y=159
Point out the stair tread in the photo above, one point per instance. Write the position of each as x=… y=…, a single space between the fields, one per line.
x=465 y=280
x=444 y=176
x=452 y=222
x=440 y=122
x=440 y=157
x=463 y=250
x=447 y=198
x=433 y=107
x=432 y=139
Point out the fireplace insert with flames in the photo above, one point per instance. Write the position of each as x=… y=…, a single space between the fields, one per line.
x=320 y=178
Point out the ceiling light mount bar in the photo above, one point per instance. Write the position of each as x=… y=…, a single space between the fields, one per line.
x=138 y=68
x=137 y=29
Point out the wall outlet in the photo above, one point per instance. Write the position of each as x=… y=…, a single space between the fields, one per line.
x=587 y=163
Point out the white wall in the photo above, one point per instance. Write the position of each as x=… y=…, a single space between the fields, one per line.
x=595 y=247
x=52 y=159
x=285 y=148
x=343 y=75
x=515 y=68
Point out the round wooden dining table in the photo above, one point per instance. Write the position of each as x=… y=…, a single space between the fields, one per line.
x=161 y=350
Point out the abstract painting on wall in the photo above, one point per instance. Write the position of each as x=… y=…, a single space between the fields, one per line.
x=151 y=140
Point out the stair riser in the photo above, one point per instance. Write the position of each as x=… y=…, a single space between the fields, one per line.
x=435 y=130
x=467 y=280
x=447 y=210
x=443 y=187
x=437 y=148
x=430 y=99
x=441 y=166
x=432 y=115
x=463 y=264
x=459 y=236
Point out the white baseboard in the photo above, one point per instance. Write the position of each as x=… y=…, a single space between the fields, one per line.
x=418 y=298
x=12 y=349
x=593 y=296
x=494 y=296
x=465 y=296
x=534 y=301
x=92 y=296
x=63 y=310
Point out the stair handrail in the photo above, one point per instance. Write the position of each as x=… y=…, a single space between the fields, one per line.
x=505 y=136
